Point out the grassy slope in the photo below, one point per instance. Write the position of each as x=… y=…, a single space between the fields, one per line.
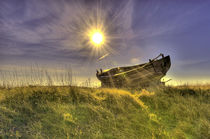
x=66 y=112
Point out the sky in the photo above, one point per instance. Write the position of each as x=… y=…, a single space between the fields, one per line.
x=52 y=34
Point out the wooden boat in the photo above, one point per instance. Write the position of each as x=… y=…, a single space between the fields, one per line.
x=136 y=76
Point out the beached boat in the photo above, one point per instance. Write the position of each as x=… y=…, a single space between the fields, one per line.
x=136 y=76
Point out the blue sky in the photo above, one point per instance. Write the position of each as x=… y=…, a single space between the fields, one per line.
x=48 y=32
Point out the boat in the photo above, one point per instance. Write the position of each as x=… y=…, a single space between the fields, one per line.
x=141 y=75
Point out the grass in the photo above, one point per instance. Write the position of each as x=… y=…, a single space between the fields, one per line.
x=73 y=112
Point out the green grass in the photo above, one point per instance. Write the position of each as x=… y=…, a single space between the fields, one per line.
x=72 y=112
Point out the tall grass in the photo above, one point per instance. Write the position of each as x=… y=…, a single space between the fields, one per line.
x=36 y=75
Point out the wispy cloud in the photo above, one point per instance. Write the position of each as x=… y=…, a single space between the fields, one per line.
x=51 y=28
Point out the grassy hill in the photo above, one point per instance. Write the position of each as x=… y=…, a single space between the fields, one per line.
x=72 y=112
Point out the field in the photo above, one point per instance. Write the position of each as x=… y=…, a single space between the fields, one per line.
x=73 y=112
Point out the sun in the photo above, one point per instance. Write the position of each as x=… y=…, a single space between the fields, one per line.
x=97 y=38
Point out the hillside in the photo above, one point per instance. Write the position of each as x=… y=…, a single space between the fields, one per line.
x=66 y=112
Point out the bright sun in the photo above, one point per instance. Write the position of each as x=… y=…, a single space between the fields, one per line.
x=97 y=38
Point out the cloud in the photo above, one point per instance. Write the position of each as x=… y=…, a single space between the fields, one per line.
x=135 y=61
x=50 y=28
x=200 y=65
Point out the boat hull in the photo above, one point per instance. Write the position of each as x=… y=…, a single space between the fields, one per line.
x=136 y=76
